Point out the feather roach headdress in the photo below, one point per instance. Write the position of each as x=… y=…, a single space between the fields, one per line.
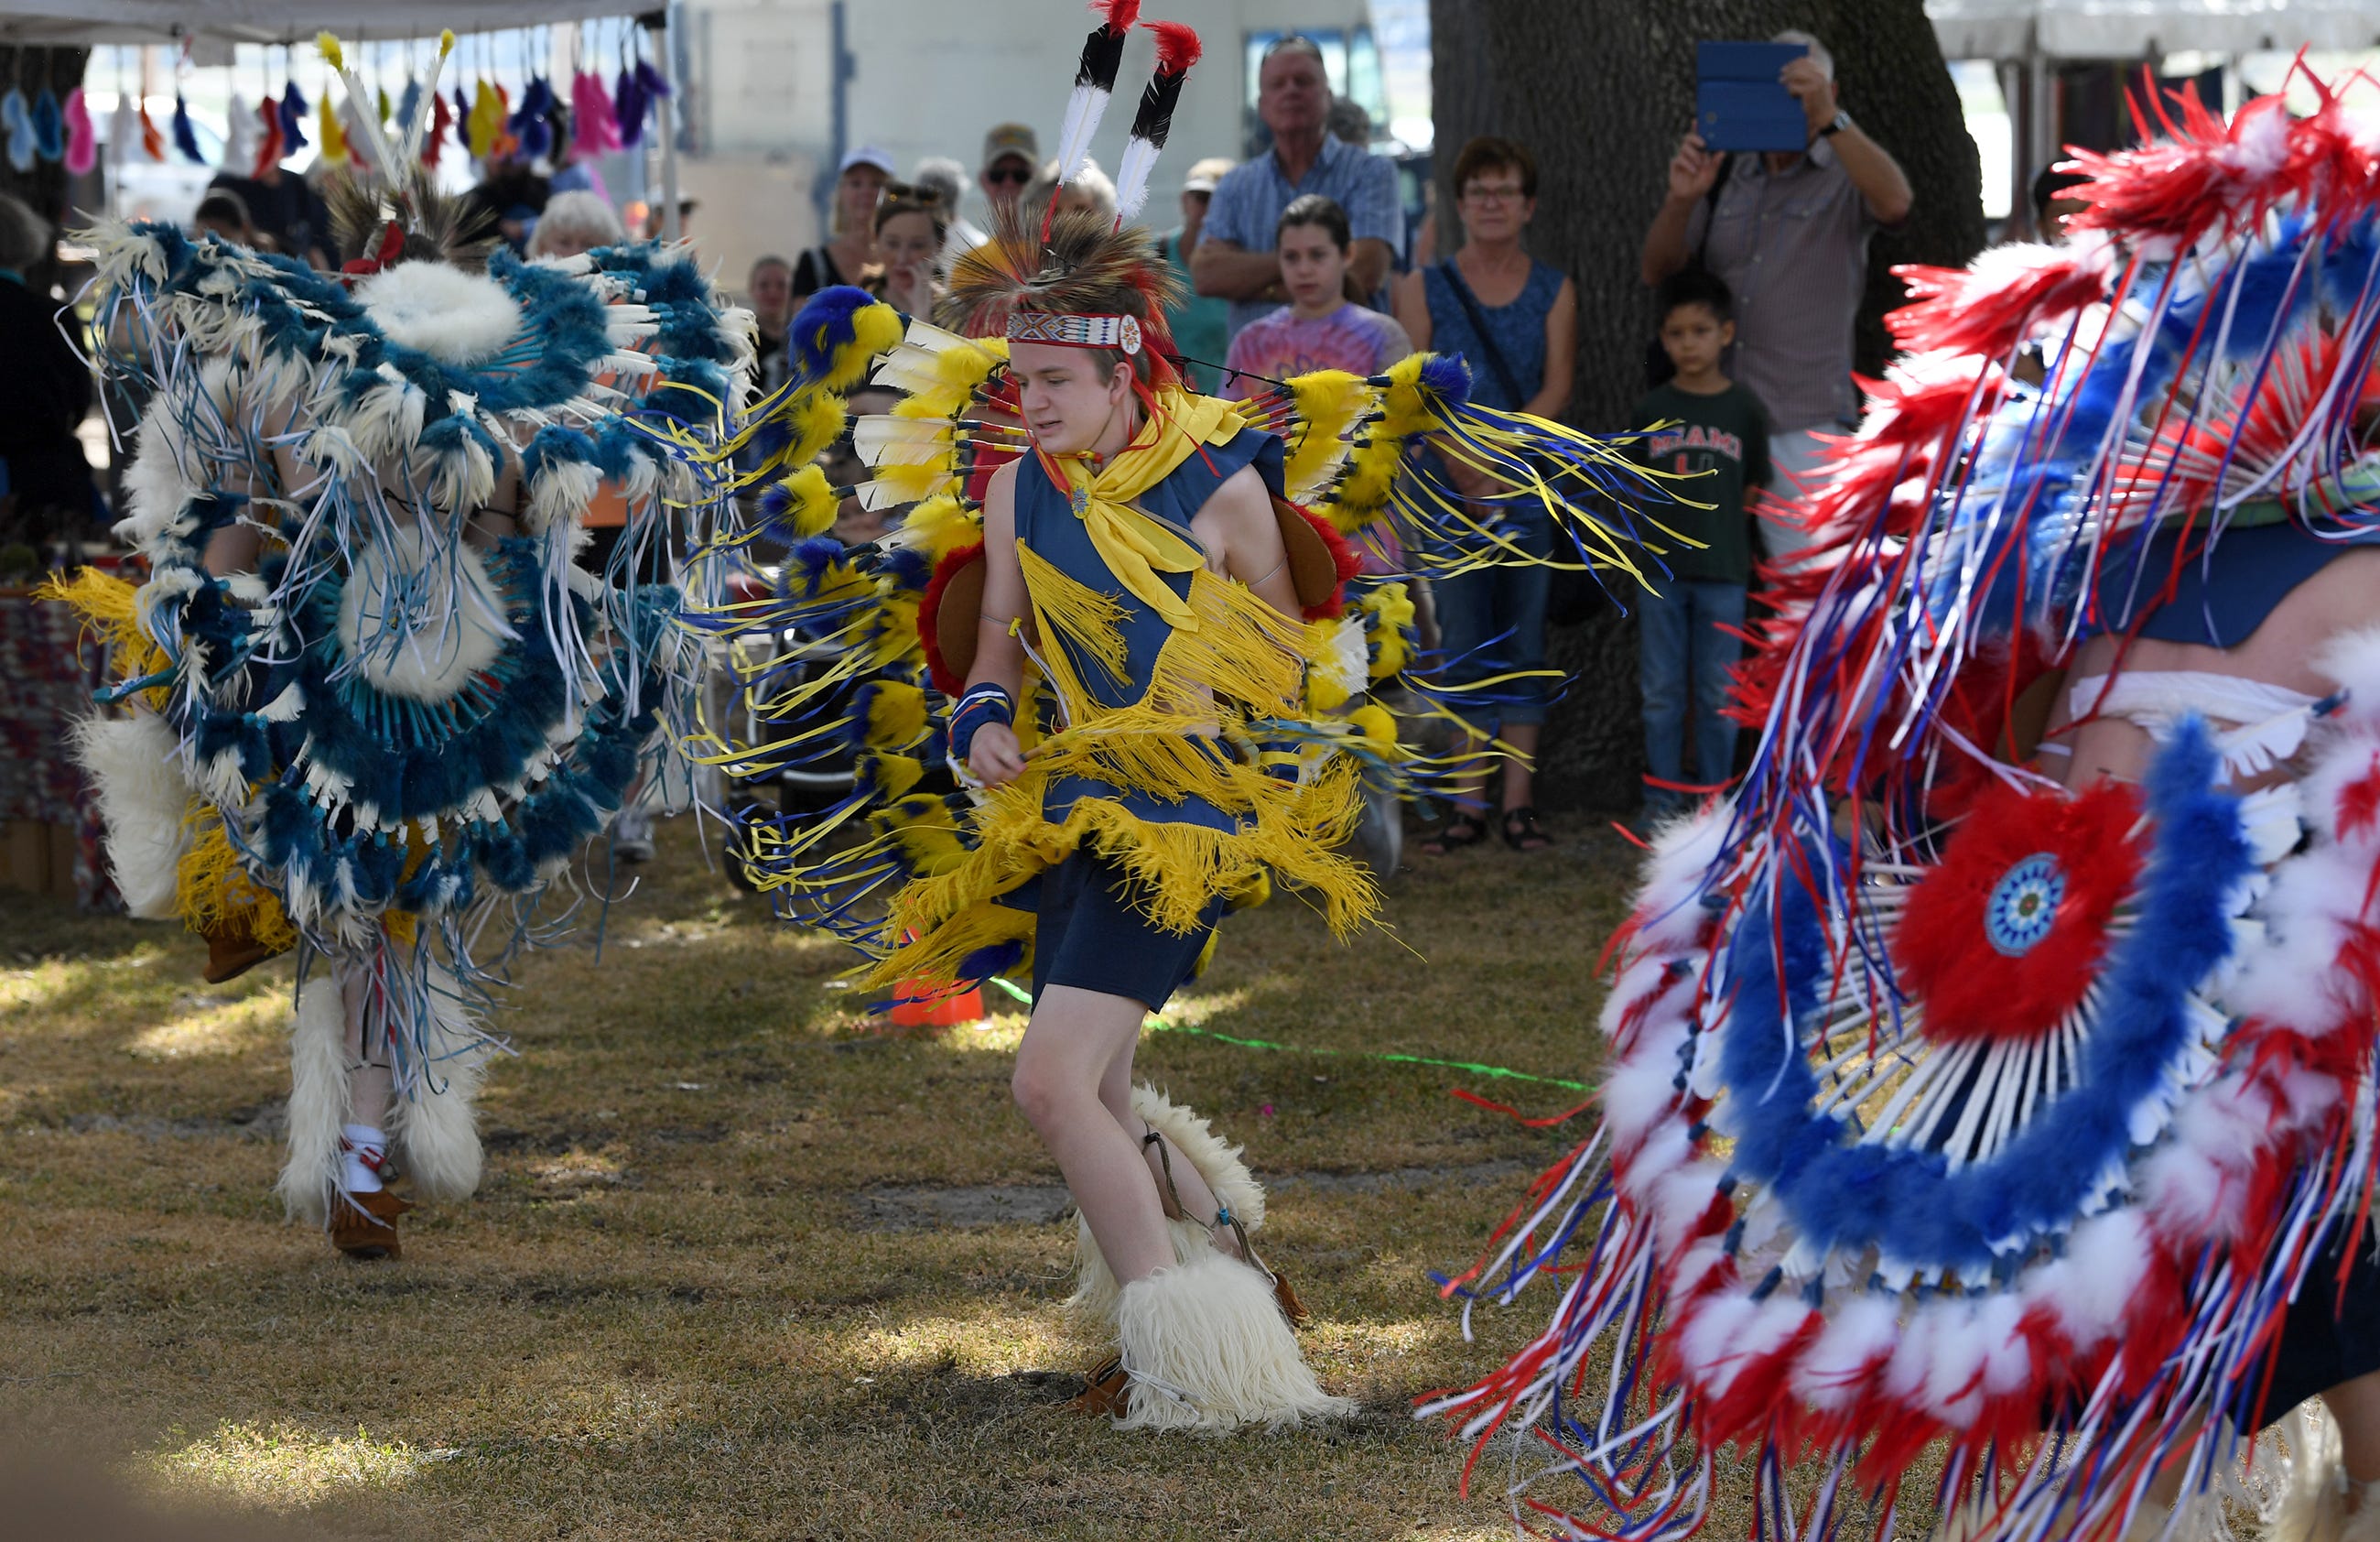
x=1087 y=284
x=400 y=215
x=1083 y=280
x=1177 y=50
x=1095 y=81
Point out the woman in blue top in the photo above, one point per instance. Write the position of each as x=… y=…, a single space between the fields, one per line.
x=1515 y=320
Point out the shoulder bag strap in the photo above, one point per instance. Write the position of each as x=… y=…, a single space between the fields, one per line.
x=1478 y=318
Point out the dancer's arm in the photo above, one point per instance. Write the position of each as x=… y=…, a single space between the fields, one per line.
x=1238 y=529
x=999 y=656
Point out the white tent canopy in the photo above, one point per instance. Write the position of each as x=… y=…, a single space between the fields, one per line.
x=234 y=21
x=2133 y=28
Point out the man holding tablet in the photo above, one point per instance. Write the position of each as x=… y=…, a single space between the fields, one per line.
x=1787 y=231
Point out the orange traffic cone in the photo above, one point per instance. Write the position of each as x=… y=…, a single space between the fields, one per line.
x=936 y=1004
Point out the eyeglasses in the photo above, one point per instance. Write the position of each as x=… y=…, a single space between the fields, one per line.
x=1499 y=192
x=1019 y=175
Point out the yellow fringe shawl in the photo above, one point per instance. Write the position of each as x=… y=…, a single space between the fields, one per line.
x=1240 y=661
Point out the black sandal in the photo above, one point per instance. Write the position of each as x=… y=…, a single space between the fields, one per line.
x=1463 y=830
x=1522 y=833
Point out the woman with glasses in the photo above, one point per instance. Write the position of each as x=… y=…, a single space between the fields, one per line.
x=1515 y=320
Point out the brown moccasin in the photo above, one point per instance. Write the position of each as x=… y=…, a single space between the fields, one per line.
x=1104 y=1389
x=364 y=1226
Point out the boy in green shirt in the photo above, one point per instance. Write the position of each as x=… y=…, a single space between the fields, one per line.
x=1690 y=626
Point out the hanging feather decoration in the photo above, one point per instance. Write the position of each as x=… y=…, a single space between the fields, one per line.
x=1177 y=50
x=294 y=108
x=441 y=120
x=270 y=144
x=594 y=131
x=654 y=85
x=49 y=127
x=240 y=135
x=153 y=142
x=123 y=133
x=1094 y=83
x=527 y=122
x=628 y=109
x=486 y=119
x=18 y=122
x=186 y=136
x=407 y=105
x=82 y=140
x=333 y=138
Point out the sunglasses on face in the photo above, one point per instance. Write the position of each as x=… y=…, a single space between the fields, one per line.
x=1017 y=175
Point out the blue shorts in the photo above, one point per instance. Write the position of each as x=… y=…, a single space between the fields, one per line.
x=1089 y=933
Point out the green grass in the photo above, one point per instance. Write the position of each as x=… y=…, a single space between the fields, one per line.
x=666 y=1313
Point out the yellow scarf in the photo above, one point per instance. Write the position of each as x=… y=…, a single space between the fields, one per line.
x=1134 y=546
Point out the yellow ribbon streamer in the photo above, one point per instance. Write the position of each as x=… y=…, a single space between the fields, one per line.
x=1135 y=546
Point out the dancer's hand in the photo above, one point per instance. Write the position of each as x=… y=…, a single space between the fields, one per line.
x=995 y=757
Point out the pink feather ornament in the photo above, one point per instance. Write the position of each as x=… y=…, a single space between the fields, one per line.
x=82 y=140
x=594 y=130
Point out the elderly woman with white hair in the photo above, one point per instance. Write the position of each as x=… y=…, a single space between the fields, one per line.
x=1088 y=188
x=573 y=224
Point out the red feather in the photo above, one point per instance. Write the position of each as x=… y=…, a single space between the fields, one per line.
x=1990 y=308
x=1343 y=557
x=930 y=610
x=1177 y=46
x=1120 y=14
x=1970 y=990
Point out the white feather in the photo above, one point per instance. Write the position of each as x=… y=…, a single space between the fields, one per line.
x=1208 y=1348
x=135 y=764
x=433 y=1118
x=454 y=316
x=1132 y=177
x=318 y=1100
x=1085 y=104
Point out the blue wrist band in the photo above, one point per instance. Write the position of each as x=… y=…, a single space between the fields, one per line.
x=984 y=703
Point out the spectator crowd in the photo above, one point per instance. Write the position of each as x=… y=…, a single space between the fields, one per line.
x=1299 y=259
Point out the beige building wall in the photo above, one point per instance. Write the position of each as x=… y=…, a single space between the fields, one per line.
x=929 y=77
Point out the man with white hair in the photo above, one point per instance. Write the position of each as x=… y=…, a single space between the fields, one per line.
x=1787 y=232
x=947 y=180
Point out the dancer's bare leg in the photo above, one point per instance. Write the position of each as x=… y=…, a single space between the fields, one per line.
x=1198 y=1202
x=1075 y=1037
x=371 y=1075
x=2356 y=1405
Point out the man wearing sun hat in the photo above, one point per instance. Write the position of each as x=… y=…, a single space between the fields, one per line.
x=1012 y=153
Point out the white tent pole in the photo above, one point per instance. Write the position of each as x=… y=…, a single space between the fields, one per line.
x=656 y=23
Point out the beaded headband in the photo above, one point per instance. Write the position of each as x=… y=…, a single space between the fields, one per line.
x=1121 y=333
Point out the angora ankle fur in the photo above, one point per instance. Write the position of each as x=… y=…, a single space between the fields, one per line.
x=1193 y=1141
x=1207 y=1349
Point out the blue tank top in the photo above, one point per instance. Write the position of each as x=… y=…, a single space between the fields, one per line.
x=1519 y=330
x=1046 y=523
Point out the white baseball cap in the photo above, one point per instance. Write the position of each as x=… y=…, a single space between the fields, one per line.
x=869 y=155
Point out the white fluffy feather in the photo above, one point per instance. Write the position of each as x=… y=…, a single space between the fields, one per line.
x=136 y=764
x=433 y=1120
x=318 y=1100
x=455 y=317
x=1207 y=1349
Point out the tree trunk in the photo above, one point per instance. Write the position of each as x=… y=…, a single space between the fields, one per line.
x=1601 y=91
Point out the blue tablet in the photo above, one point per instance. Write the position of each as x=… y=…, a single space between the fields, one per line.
x=1739 y=103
